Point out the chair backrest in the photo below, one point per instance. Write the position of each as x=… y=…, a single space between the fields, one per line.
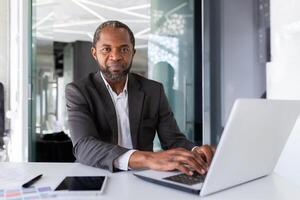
x=289 y=163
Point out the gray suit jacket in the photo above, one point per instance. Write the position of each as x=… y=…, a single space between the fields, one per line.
x=93 y=123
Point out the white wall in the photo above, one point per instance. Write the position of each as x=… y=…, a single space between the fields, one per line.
x=4 y=48
x=19 y=87
x=4 y=64
x=283 y=75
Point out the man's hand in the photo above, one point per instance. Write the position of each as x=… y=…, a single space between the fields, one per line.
x=174 y=159
x=206 y=152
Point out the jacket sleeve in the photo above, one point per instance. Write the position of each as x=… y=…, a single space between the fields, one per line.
x=87 y=146
x=168 y=132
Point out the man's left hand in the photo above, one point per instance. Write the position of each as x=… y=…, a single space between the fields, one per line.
x=206 y=152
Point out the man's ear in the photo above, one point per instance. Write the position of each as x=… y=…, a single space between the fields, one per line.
x=134 y=52
x=94 y=53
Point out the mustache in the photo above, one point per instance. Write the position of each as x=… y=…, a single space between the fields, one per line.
x=115 y=64
x=115 y=77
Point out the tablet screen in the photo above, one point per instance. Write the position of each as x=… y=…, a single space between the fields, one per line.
x=83 y=183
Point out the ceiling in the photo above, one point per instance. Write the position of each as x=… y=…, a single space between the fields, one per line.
x=71 y=20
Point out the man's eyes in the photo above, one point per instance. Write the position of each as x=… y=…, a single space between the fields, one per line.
x=121 y=50
x=125 y=50
x=105 y=50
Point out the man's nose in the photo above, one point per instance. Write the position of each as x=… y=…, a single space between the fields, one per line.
x=115 y=55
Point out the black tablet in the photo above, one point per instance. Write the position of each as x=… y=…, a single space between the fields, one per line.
x=82 y=183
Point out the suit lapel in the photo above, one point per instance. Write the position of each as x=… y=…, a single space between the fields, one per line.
x=135 y=104
x=107 y=105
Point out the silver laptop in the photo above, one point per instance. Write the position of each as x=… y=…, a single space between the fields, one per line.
x=251 y=143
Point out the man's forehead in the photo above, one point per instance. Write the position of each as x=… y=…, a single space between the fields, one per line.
x=112 y=34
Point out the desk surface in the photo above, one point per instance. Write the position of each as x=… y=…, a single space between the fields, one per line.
x=124 y=185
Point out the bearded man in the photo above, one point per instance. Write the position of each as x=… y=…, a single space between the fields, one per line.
x=114 y=114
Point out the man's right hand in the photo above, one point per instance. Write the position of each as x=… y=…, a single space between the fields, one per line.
x=169 y=160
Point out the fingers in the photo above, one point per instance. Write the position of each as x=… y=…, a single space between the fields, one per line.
x=180 y=159
x=164 y=162
x=203 y=161
x=213 y=148
x=194 y=161
x=207 y=152
x=183 y=168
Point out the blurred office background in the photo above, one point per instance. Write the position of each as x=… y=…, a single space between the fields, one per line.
x=206 y=53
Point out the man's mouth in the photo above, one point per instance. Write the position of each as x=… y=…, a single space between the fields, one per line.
x=115 y=66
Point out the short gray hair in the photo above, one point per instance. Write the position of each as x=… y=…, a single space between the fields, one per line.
x=113 y=24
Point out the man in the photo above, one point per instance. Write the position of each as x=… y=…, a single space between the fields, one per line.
x=114 y=114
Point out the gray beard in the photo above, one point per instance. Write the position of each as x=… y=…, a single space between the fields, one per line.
x=115 y=77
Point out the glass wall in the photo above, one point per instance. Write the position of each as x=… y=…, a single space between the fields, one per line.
x=171 y=57
x=62 y=35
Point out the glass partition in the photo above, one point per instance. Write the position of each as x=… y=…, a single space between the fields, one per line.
x=171 y=57
x=62 y=35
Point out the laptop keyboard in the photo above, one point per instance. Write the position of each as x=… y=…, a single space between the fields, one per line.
x=185 y=179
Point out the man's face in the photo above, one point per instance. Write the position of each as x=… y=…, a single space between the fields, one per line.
x=114 y=53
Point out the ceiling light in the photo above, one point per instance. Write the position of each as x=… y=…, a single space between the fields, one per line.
x=136 y=20
x=77 y=23
x=69 y=24
x=115 y=9
x=138 y=7
x=69 y=31
x=42 y=36
x=175 y=9
x=142 y=32
x=90 y=35
x=44 y=3
x=43 y=20
x=142 y=37
x=89 y=10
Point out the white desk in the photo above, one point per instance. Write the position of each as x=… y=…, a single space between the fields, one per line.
x=124 y=185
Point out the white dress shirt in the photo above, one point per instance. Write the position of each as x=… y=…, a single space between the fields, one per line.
x=124 y=136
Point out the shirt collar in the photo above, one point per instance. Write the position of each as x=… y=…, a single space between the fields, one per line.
x=109 y=87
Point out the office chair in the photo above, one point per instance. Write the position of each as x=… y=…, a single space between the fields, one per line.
x=54 y=147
